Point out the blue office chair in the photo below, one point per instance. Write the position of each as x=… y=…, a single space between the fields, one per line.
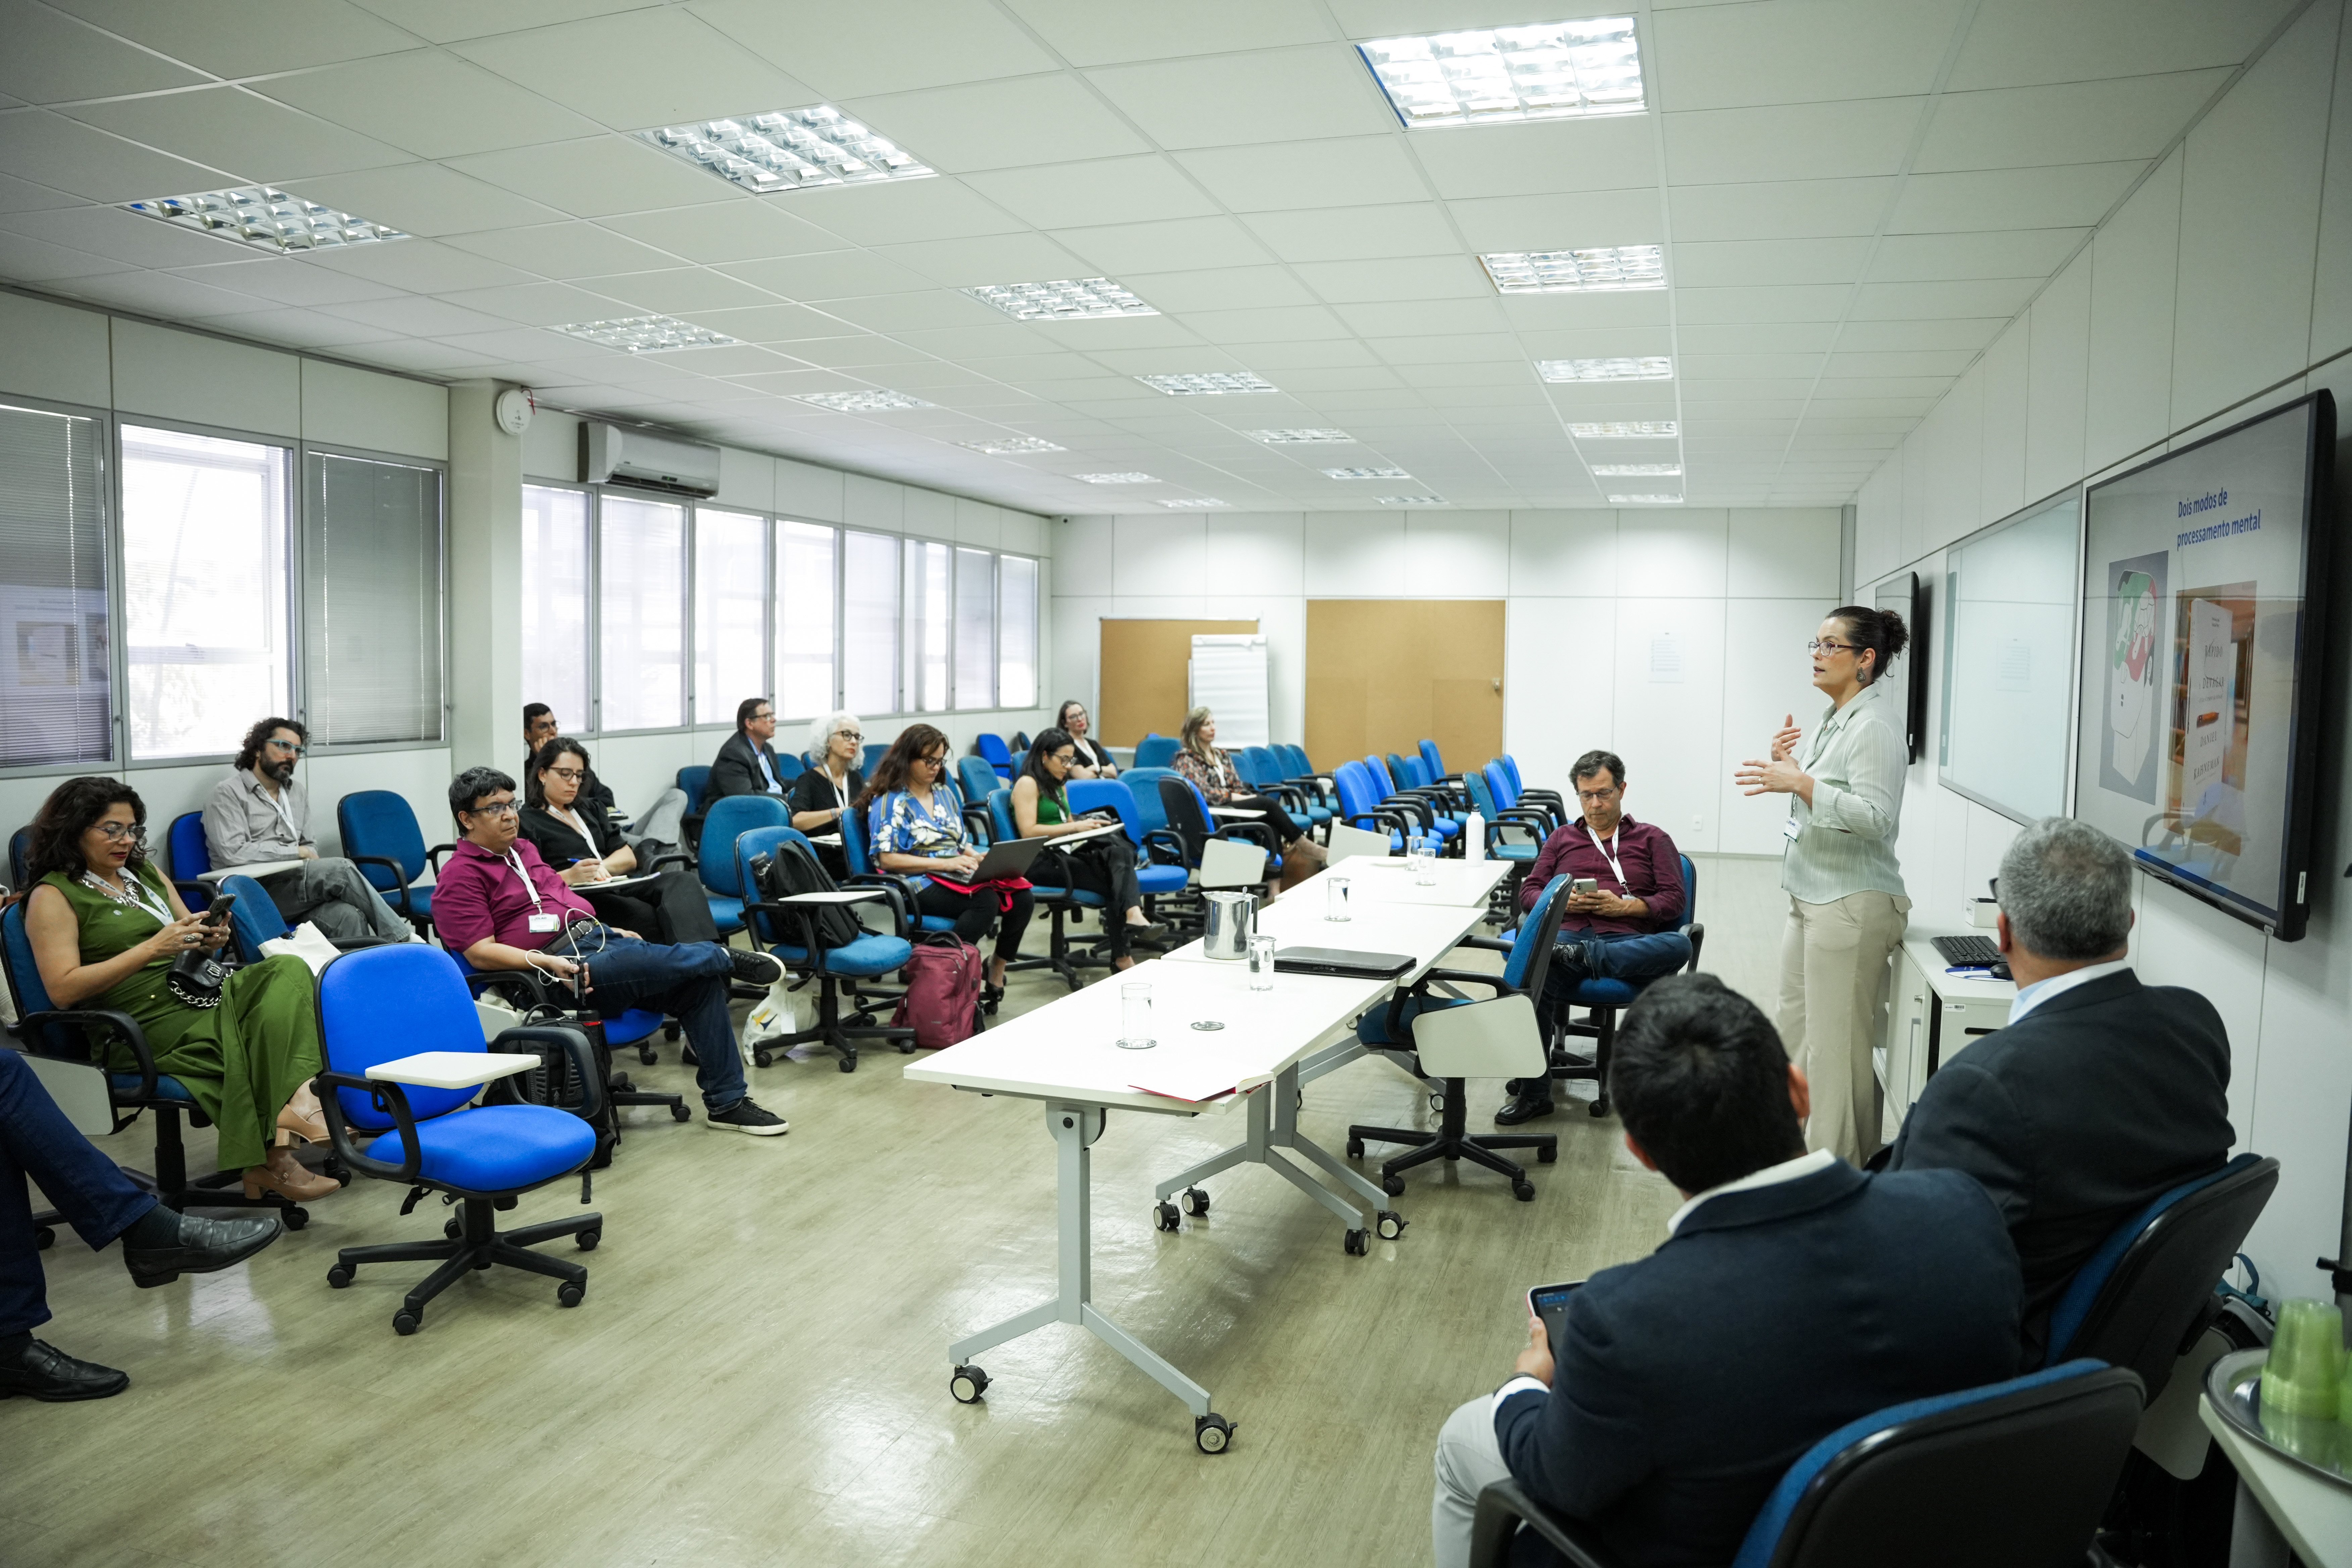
x=254 y=919
x=993 y=750
x=1550 y=798
x=865 y=872
x=1520 y=852
x=1604 y=999
x=1263 y=772
x=695 y=783
x=80 y=1035
x=976 y=781
x=793 y=933
x=432 y=1139
x=191 y=858
x=1155 y=751
x=527 y=989
x=1391 y=1030
x=1159 y=853
x=1188 y=820
x=1507 y=796
x=1362 y=807
x=1436 y=764
x=1058 y=897
x=731 y=817
x=2144 y=1298
x=1021 y=742
x=2041 y=1453
x=875 y=753
x=1439 y=817
x=382 y=838
x=20 y=856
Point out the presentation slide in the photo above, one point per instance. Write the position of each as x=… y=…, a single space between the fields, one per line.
x=2193 y=636
x=2008 y=657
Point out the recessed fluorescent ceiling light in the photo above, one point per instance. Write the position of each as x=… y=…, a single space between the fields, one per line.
x=1656 y=368
x=1645 y=500
x=1607 y=269
x=1413 y=500
x=1071 y=300
x=1206 y=383
x=1193 y=502
x=790 y=149
x=1616 y=429
x=645 y=334
x=1639 y=470
x=1006 y=446
x=1547 y=73
x=1297 y=437
x=1366 y=474
x=266 y=219
x=864 y=402
x=1117 y=478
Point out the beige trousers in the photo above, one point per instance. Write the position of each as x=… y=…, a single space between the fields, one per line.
x=1834 y=978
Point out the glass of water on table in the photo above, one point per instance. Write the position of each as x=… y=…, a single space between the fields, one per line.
x=1135 y=1032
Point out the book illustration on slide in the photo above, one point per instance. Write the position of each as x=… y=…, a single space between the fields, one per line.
x=2135 y=618
x=2212 y=704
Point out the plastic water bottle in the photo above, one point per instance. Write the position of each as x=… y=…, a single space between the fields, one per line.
x=1474 y=837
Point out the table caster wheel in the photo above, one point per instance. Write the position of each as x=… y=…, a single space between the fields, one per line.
x=762 y=1058
x=339 y=1276
x=1196 y=1202
x=407 y=1320
x=1548 y=1155
x=1213 y=1433
x=647 y=1055
x=296 y=1217
x=1390 y=1223
x=1355 y=1148
x=452 y=1229
x=44 y=1238
x=1356 y=1243
x=570 y=1292
x=678 y=1112
x=1164 y=1216
x=1392 y=1185
x=968 y=1384
x=589 y=1238
x=1524 y=1191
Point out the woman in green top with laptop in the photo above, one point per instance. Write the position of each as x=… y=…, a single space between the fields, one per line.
x=1104 y=864
x=1847 y=911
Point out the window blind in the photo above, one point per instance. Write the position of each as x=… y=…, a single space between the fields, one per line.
x=731 y=612
x=804 y=599
x=641 y=612
x=1016 y=664
x=975 y=629
x=555 y=602
x=56 y=647
x=869 y=623
x=372 y=638
x=927 y=628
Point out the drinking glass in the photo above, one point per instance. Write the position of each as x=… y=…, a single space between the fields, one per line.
x=1261 y=963
x=1334 y=897
x=1424 y=862
x=2306 y=1361
x=1135 y=1016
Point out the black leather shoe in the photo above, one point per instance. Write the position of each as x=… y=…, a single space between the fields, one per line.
x=203 y=1246
x=44 y=1372
x=1524 y=1107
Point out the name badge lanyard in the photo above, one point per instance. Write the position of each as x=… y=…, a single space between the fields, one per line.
x=1624 y=886
x=541 y=922
x=133 y=892
x=284 y=816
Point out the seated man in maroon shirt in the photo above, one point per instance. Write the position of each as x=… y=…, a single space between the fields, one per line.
x=496 y=901
x=1622 y=930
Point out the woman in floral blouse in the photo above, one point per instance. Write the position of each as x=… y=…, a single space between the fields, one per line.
x=916 y=821
x=1211 y=769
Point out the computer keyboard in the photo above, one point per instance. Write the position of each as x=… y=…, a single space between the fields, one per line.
x=1966 y=952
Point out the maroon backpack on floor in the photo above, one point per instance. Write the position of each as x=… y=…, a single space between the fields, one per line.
x=942 y=1000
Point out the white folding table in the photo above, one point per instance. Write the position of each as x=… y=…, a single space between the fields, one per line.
x=1066 y=1055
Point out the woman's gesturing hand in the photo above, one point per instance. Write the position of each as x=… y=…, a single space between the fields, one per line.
x=1785 y=739
x=189 y=932
x=1779 y=777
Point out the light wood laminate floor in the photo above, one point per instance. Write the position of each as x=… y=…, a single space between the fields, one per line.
x=759 y=1374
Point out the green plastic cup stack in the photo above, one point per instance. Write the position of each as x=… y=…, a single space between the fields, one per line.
x=2304 y=1379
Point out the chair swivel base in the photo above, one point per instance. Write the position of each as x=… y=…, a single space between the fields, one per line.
x=1452 y=1141
x=840 y=1035
x=478 y=1245
x=622 y=1091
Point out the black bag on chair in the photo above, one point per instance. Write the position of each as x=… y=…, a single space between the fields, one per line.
x=793 y=869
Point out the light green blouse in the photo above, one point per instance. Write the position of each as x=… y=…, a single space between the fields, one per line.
x=1846 y=842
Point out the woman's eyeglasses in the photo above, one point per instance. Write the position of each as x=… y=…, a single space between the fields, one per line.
x=1818 y=646
x=1065 y=758
x=115 y=832
x=571 y=776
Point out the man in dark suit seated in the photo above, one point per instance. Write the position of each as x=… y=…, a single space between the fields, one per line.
x=2101 y=1094
x=746 y=763
x=1792 y=1294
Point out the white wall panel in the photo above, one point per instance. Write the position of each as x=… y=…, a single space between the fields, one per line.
x=1918 y=458
x=925 y=512
x=1956 y=470
x=976 y=522
x=813 y=494
x=1683 y=554
x=1458 y=555
x=1767 y=678
x=1082 y=556
x=2302 y=1095
x=1567 y=552
x=206 y=381
x=550 y=448
x=1785 y=553
x=54 y=351
x=2331 y=305
x=2059 y=354
x=1160 y=555
x=1559 y=688
x=1256 y=553
x=2002 y=474
x=1077 y=643
x=746 y=479
x=2185 y=942
x=1669 y=731
x=2135 y=263
x=1878 y=521
x=639 y=767
x=1358 y=556
x=421 y=777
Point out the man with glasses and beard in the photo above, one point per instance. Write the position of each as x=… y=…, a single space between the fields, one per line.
x=260 y=815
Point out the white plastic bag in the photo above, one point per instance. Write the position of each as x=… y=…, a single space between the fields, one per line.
x=309 y=943
x=781 y=1012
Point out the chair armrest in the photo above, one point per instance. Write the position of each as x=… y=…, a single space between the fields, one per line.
x=1697 y=934
x=193 y=894
x=433 y=855
x=387 y=1095
x=1526 y=815
x=676 y=858
x=398 y=896
x=1490 y=944
x=548 y=1038
x=1167 y=840
x=1257 y=833
x=1495 y=983
x=977 y=823
x=900 y=892
x=122 y=1024
x=1504 y=1507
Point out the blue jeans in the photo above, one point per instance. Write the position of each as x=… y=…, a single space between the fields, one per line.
x=1635 y=956
x=36 y=1141
x=689 y=982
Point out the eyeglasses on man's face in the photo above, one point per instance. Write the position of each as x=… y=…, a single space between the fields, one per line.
x=291 y=748
x=115 y=832
x=1596 y=796
x=495 y=808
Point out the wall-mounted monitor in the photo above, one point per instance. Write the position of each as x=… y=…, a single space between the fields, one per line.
x=1907 y=596
x=2204 y=602
x=2009 y=660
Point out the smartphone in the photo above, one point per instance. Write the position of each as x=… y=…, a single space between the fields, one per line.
x=1549 y=1302
x=216 y=912
x=1585 y=885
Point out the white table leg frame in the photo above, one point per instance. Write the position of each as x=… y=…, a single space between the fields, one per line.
x=1274 y=1125
x=1074 y=1128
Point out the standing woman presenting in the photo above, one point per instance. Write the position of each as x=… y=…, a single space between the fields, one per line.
x=1847 y=911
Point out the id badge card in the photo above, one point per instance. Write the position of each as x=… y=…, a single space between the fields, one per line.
x=543 y=923
x=1790 y=828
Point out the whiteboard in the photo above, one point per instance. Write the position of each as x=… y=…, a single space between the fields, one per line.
x=1226 y=675
x=2008 y=673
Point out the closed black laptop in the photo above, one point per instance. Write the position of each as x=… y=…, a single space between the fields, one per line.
x=1340 y=961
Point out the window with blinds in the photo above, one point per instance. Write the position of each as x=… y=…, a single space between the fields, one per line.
x=204 y=589
x=731 y=612
x=371 y=635
x=975 y=629
x=56 y=647
x=804 y=599
x=1016 y=620
x=925 y=613
x=641 y=612
x=555 y=602
x=869 y=623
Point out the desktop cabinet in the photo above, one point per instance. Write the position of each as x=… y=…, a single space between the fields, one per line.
x=1931 y=1017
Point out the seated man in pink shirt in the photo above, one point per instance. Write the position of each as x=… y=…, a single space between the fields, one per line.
x=496 y=901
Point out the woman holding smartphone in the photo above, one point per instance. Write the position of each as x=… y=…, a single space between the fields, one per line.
x=1847 y=909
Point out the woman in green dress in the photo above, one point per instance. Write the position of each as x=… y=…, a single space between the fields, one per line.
x=105 y=928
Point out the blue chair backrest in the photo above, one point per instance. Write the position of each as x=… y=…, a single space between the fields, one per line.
x=750 y=844
x=383 y=1002
x=24 y=987
x=379 y=822
x=1511 y=766
x=993 y=750
x=853 y=844
x=1409 y=772
x=20 y=856
x=1357 y=795
x=1429 y=755
x=977 y=776
x=875 y=753
x=1381 y=778
x=1143 y=784
x=696 y=782
x=1690 y=895
x=1000 y=814
x=1155 y=752
x=191 y=856
x=1294 y=760
x=730 y=816
x=1532 y=942
x=1021 y=742
x=254 y=918
x=1482 y=799
x=1507 y=794
x=1093 y=795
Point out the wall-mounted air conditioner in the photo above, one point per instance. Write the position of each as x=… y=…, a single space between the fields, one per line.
x=618 y=455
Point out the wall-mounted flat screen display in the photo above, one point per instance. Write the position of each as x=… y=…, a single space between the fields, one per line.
x=2009 y=661
x=2202 y=597
x=1906 y=596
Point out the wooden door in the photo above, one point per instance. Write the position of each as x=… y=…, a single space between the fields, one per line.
x=1143 y=667
x=1383 y=673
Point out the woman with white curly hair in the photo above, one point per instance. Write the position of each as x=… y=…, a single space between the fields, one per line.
x=820 y=796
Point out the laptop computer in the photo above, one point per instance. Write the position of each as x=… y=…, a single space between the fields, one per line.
x=1340 y=961
x=1008 y=858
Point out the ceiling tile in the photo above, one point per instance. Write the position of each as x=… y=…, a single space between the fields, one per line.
x=24 y=260
x=1463 y=348
x=1794 y=302
x=1414 y=320
x=879 y=45
x=124 y=237
x=164 y=294
x=1763 y=337
x=988 y=259
x=564 y=249
x=1976 y=297
x=1221 y=288
x=1576 y=312
x=1095 y=32
x=1100 y=191
x=772 y=323
x=2073 y=195
x=966 y=345
x=535 y=304
x=2014 y=253
x=51 y=150
x=1227 y=100
x=1800 y=51
x=1786 y=142
x=426 y=101
x=1282 y=324
x=425 y=199
x=1560 y=222
x=599 y=175
x=829 y=275
x=2078 y=122
x=53 y=59
x=1336 y=234
x=245 y=38
x=740 y=229
x=255 y=138
x=1000 y=124
x=1118 y=332
x=901 y=211
x=423 y=265
x=287 y=279
x=1612 y=154
x=1177 y=244
x=1946 y=363
x=299 y=328
x=678 y=288
x=913 y=312
x=642 y=69
x=1733 y=263
x=416 y=317
x=1268 y=358
x=1784 y=209
x=2016 y=43
x=23 y=197
x=1950 y=332
x=1425 y=278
